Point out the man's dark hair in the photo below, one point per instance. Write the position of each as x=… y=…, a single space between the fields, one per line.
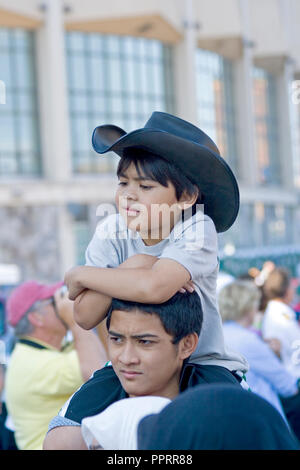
x=158 y=169
x=180 y=316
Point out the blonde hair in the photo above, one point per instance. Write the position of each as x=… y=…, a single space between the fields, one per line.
x=237 y=299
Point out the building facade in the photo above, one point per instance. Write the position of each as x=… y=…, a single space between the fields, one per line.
x=231 y=68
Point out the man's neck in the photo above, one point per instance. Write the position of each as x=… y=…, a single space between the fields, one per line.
x=171 y=394
x=53 y=341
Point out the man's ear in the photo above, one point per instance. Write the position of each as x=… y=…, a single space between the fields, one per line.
x=187 y=345
x=188 y=200
x=35 y=319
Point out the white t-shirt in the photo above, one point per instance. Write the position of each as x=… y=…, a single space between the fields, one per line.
x=116 y=428
x=194 y=245
x=279 y=321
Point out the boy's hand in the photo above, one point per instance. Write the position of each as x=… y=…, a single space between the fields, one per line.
x=189 y=286
x=72 y=281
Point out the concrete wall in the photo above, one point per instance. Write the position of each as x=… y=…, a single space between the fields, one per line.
x=29 y=238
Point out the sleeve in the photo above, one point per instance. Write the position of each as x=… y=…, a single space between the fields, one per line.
x=263 y=362
x=60 y=421
x=102 y=250
x=195 y=246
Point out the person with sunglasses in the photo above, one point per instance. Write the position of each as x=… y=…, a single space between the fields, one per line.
x=43 y=372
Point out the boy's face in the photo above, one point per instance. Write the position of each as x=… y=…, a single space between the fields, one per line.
x=147 y=206
x=143 y=355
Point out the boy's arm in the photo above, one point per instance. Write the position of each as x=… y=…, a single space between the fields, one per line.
x=91 y=307
x=146 y=285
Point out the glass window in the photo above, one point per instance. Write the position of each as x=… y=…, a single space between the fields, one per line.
x=82 y=238
x=295 y=121
x=115 y=79
x=259 y=225
x=7 y=141
x=266 y=127
x=275 y=224
x=216 y=105
x=278 y=225
x=241 y=234
x=19 y=133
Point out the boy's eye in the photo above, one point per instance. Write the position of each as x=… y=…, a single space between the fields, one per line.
x=122 y=183
x=143 y=186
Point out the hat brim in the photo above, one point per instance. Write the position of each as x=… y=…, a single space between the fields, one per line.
x=201 y=165
x=47 y=291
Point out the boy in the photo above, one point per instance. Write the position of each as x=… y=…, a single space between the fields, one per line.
x=171 y=164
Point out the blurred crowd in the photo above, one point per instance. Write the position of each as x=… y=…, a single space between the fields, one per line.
x=260 y=312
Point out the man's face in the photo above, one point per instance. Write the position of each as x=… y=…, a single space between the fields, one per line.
x=51 y=322
x=143 y=355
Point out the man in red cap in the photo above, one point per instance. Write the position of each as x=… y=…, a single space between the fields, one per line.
x=42 y=374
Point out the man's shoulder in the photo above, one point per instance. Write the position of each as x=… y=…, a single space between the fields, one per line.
x=199 y=374
x=95 y=395
x=279 y=311
x=239 y=338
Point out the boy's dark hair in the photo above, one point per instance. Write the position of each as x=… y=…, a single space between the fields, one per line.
x=158 y=169
x=277 y=284
x=180 y=316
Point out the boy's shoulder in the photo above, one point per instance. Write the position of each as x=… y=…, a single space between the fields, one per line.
x=106 y=244
x=197 y=226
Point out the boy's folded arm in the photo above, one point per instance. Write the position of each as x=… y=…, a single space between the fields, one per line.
x=91 y=307
x=146 y=285
x=168 y=277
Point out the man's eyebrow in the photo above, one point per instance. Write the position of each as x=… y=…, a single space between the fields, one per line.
x=144 y=335
x=113 y=333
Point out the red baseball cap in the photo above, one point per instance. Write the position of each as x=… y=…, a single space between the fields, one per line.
x=25 y=295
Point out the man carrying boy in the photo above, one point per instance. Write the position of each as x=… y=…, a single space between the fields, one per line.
x=140 y=256
x=148 y=346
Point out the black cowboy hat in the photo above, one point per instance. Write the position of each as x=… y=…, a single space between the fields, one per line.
x=190 y=150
